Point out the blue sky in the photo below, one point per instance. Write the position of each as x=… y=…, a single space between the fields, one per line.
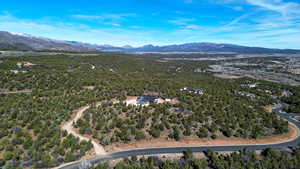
x=266 y=23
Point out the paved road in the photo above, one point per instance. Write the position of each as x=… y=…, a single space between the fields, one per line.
x=152 y=151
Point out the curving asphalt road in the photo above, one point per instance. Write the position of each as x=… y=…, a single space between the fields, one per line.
x=153 y=151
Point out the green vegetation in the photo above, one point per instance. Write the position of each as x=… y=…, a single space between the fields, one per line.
x=293 y=101
x=217 y=113
x=269 y=159
x=30 y=122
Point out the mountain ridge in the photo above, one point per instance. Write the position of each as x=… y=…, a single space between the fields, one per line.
x=17 y=41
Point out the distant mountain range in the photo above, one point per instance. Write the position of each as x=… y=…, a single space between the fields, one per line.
x=12 y=41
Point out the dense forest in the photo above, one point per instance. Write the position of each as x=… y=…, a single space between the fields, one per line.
x=245 y=159
x=30 y=123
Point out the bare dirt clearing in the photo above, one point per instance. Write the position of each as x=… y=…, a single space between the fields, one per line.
x=68 y=126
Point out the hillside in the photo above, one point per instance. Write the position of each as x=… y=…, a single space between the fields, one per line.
x=210 y=47
x=11 y=41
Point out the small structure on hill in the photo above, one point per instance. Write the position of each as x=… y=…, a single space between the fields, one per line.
x=14 y=71
x=19 y=71
x=243 y=93
x=192 y=90
x=146 y=100
x=143 y=100
x=287 y=93
x=25 y=64
x=250 y=85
